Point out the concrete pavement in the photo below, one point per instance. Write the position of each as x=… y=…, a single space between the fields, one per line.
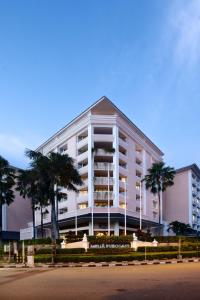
x=175 y=281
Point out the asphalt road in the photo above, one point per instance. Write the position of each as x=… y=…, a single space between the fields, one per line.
x=178 y=281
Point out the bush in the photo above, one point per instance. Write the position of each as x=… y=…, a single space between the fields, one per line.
x=158 y=249
x=175 y=239
x=44 y=241
x=104 y=251
x=71 y=237
x=61 y=251
x=107 y=258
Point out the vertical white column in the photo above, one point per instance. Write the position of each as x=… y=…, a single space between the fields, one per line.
x=4 y=217
x=90 y=177
x=144 y=192
x=116 y=229
x=116 y=165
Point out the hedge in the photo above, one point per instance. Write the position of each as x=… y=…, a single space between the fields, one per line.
x=108 y=258
x=175 y=239
x=61 y=251
x=104 y=251
x=158 y=249
x=44 y=241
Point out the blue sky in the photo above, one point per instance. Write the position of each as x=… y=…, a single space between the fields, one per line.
x=58 y=57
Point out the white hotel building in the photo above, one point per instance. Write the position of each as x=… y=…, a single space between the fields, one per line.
x=112 y=156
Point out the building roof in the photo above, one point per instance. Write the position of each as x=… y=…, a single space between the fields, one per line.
x=110 y=105
x=192 y=167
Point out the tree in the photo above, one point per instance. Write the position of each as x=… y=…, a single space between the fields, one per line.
x=7 y=181
x=53 y=172
x=158 y=179
x=30 y=187
x=179 y=228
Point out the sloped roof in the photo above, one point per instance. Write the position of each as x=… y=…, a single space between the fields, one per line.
x=103 y=106
x=192 y=167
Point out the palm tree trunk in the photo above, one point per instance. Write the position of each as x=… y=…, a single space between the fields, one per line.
x=159 y=210
x=1 y=219
x=33 y=218
x=42 y=227
x=54 y=229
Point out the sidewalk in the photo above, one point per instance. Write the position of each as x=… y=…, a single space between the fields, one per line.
x=103 y=264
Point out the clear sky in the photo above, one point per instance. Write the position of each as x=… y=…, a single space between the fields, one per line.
x=58 y=57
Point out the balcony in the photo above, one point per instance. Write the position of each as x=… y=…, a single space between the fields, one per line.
x=103 y=152
x=123 y=143
x=83 y=169
x=103 y=138
x=138 y=155
x=103 y=181
x=82 y=142
x=103 y=196
x=82 y=198
x=82 y=156
x=103 y=166
x=123 y=157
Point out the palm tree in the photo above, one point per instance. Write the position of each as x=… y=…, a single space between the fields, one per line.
x=7 y=181
x=52 y=172
x=158 y=179
x=179 y=228
x=29 y=187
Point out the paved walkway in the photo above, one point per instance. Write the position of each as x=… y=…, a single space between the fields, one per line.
x=172 y=281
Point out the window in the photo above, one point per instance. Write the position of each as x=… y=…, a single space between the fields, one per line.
x=155 y=204
x=154 y=215
x=138 y=174
x=63 y=210
x=137 y=209
x=137 y=186
x=122 y=136
x=137 y=197
x=63 y=149
x=82 y=206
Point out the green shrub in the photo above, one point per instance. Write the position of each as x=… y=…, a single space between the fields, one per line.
x=175 y=239
x=104 y=251
x=158 y=249
x=189 y=247
x=44 y=241
x=61 y=251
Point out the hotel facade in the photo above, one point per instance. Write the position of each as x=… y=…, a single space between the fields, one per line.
x=182 y=200
x=112 y=156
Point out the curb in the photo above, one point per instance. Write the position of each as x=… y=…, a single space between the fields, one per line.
x=103 y=264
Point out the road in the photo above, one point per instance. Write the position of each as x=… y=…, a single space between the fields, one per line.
x=177 y=281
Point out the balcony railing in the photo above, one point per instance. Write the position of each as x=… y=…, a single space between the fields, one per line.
x=103 y=152
x=103 y=195
x=103 y=166
x=103 y=180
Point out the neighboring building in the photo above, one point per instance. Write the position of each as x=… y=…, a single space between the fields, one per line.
x=182 y=200
x=14 y=217
x=112 y=156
